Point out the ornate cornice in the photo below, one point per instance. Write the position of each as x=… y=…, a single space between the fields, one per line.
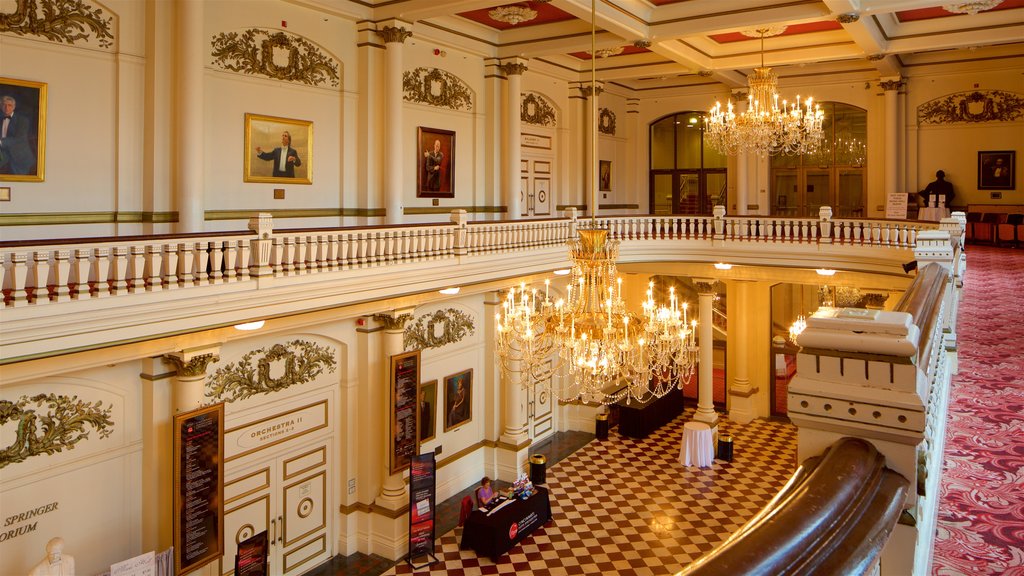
x=190 y=366
x=513 y=68
x=586 y=91
x=437 y=88
x=59 y=427
x=642 y=43
x=888 y=85
x=706 y=286
x=974 y=106
x=537 y=110
x=394 y=34
x=848 y=18
x=454 y=324
x=252 y=52
x=60 y=21
x=272 y=369
x=606 y=121
x=393 y=322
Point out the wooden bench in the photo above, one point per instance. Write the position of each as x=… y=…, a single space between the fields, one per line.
x=1000 y=224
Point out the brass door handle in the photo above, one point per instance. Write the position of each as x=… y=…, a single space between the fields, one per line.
x=280 y=537
x=273 y=530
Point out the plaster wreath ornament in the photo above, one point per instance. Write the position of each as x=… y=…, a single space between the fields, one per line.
x=971 y=7
x=512 y=14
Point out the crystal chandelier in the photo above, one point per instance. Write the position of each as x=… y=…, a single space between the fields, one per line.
x=797 y=327
x=971 y=7
x=767 y=127
x=513 y=14
x=609 y=352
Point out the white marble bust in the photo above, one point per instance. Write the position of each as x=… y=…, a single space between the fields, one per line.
x=56 y=563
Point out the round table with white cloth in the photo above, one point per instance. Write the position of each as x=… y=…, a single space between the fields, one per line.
x=697 y=448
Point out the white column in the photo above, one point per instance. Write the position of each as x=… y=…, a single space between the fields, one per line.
x=891 y=87
x=741 y=393
x=189 y=127
x=514 y=429
x=576 y=190
x=393 y=492
x=636 y=191
x=590 y=146
x=705 y=388
x=394 y=37
x=513 y=152
x=742 y=164
x=190 y=387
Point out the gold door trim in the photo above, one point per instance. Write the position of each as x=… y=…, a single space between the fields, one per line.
x=323 y=461
x=323 y=507
x=266 y=484
x=323 y=547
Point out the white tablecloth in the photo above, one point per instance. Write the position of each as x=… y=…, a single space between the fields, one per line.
x=933 y=214
x=697 y=447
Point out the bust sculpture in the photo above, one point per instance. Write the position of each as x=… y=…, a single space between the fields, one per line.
x=56 y=563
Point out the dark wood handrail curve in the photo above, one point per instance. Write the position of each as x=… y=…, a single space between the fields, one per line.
x=922 y=301
x=832 y=519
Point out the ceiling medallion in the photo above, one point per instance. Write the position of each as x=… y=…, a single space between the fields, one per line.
x=765 y=32
x=513 y=14
x=971 y=7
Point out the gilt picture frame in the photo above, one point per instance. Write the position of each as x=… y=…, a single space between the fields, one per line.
x=997 y=169
x=458 y=399
x=23 y=143
x=435 y=164
x=269 y=159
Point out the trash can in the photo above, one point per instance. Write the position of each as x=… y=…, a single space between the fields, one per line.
x=602 y=426
x=725 y=448
x=538 y=469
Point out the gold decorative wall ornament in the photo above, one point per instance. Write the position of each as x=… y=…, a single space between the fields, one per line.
x=195 y=366
x=437 y=88
x=393 y=322
x=61 y=426
x=435 y=330
x=537 y=110
x=973 y=106
x=61 y=21
x=513 y=68
x=256 y=52
x=296 y=362
x=606 y=122
x=394 y=34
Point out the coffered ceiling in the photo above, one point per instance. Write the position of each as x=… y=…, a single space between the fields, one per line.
x=653 y=44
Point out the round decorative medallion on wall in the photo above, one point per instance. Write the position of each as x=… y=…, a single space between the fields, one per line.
x=244 y=533
x=305 y=507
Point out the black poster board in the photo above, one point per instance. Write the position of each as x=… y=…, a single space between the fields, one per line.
x=422 y=492
x=405 y=378
x=251 y=558
x=198 y=487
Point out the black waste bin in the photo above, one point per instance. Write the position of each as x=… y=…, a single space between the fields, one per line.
x=725 y=448
x=602 y=426
x=538 y=469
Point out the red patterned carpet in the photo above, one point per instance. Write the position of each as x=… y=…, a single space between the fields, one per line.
x=981 y=513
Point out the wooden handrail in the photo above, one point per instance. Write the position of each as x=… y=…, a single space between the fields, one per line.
x=922 y=301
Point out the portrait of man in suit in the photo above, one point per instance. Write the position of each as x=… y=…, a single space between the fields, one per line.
x=435 y=163
x=22 y=130
x=285 y=159
x=278 y=150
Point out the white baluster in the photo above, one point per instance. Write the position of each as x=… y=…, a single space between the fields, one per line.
x=118 y=270
x=244 y=258
x=154 y=266
x=301 y=259
x=99 y=273
x=201 y=251
x=170 y=272
x=78 y=277
x=230 y=261
x=20 y=277
x=136 y=272
x=186 y=263
x=41 y=278
x=61 y=269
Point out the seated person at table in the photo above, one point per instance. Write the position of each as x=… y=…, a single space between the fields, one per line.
x=484 y=493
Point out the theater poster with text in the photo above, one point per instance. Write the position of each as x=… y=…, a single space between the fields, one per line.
x=421 y=506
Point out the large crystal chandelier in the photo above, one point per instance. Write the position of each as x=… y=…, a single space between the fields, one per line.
x=767 y=126
x=608 y=352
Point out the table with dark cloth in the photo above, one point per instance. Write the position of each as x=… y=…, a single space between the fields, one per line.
x=496 y=534
x=638 y=419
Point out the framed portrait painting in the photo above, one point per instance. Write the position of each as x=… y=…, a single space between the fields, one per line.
x=435 y=163
x=605 y=175
x=278 y=150
x=997 y=169
x=458 y=399
x=427 y=410
x=22 y=130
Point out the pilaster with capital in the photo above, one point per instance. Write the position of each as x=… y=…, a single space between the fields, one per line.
x=706 y=292
x=394 y=495
x=742 y=399
x=891 y=86
x=394 y=35
x=513 y=71
x=190 y=366
x=190 y=52
x=743 y=167
x=592 y=93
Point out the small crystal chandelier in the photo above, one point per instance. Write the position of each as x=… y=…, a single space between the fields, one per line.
x=513 y=14
x=797 y=327
x=971 y=7
x=609 y=352
x=767 y=127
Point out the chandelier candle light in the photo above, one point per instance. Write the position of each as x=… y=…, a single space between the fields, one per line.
x=610 y=353
x=767 y=126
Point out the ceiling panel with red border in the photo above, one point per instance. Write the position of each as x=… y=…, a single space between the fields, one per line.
x=792 y=30
x=939 y=12
x=546 y=14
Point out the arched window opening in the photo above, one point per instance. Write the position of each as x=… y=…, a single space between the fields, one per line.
x=686 y=177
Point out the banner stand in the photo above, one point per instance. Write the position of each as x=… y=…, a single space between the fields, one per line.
x=422 y=489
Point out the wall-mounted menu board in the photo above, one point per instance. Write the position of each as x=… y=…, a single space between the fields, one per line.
x=198 y=487
x=405 y=377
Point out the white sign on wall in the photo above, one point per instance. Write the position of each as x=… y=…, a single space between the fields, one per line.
x=896 y=206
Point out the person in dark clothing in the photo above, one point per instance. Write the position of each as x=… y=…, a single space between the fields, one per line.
x=938 y=188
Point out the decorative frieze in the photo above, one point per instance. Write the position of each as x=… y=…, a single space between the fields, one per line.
x=513 y=68
x=272 y=369
x=606 y=122
x=587 y=91
x=60 y=21
x=394 y=34
x=393 y=321
x=257 y=51
x=438 y=329
x=888 y=85
x=437 y=88
x=974 y=106
x=191 y=366
x=537 y=110
x=50 y=423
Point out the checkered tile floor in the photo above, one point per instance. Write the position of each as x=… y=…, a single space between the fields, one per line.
x=624 y=506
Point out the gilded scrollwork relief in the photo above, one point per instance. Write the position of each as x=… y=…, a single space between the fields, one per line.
x=974 y=106
x=51 y=423
x=606 y=122
x=257 y=52
x=61 y=21
x=437 y=88
x=435 y=330
x=537 y=110
x=270 y=369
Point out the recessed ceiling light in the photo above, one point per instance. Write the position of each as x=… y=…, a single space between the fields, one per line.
x=825 y=272
x=450 y=291
x=562 y=272
x=723 y=266
x=250 y=325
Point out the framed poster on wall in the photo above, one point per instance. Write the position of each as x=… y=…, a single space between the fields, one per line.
x=405 y=378
x=198 y=487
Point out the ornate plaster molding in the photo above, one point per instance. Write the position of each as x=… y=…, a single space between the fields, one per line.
x=705 y=286
x=60 y=21
x=704 y=73
x=191 y=366
x=297 y=362
x=513 y=68
x=642 y=43
x=875 y=57
x=438 y=329
x=587 y=91
x=394 y=34
x=606 y=121
x=60 y=426
x=437 y=88
x=973 y=106
x=252 y=52
x=393 y=322
x=848 y=18
x=536 y=109
x=888 y=85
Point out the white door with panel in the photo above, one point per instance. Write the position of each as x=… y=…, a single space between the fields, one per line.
x=540 y=410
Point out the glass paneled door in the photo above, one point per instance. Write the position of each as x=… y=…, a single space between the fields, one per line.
x=687 y=191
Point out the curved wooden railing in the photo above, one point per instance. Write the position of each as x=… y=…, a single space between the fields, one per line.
x=832 y=518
